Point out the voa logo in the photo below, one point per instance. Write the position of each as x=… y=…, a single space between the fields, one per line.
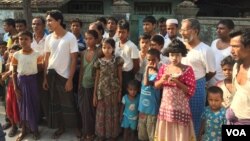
x=236 y=132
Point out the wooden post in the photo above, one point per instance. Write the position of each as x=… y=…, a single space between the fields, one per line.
x=27 y=13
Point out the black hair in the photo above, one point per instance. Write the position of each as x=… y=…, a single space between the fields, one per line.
x=245 y=36
x=26 y=33
x=176 y=46
x=161 y=20
x=123 y=24
x=15 y=47
x=113 y=19
x=3 y=43
x=215 y=90
x=41 y=18
x=99 y=26
x=10 y=22
x=150 y=19
x=227 y=61
x=110 y=41
x=227 y=22
x=154 y=52
x=133 y=84
x=102 y=19
x=145 y=36
x=158 y=39
x=76 y=20
x=57 y=15
x=93 y=33
x=22 y=21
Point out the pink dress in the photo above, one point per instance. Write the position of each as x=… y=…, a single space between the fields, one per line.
x=174 y=119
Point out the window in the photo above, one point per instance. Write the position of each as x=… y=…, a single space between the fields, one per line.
x=88 y=7
x=150 y=8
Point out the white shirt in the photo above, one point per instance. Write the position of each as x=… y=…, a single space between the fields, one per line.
x=219 y=56
x=106 y=35
x=60 y=50
x=201 y=59
x=39 y=46
x=128 y=52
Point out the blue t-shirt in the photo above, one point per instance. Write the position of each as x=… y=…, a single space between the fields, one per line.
x=149 y=98
x=214 y=122
x=81 y=43
x=131 y=107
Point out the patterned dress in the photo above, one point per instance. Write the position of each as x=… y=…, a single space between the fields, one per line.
x=174 y=119
x=107 y=111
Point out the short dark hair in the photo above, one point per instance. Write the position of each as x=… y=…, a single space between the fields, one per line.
x=145 y=36
x=110 y=41
x=10 y=21
x=150 y=19
x=15 y=47
x=22 y=21
x=227 y=22
x=227 y=61
x=215 y=90
x=176 y=46
x=93 y=33
x=158 y=39
x=57 y=15
x=102 y=19
x=41 y=18
x=76 y=20
x=3 y=43
x=154 y=52
x=113 y=19
x=134 y=84
x=162 y=19
x=245 y=35
x=123 y=24
x=26 y=33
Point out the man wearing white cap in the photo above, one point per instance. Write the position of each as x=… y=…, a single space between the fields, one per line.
x=172 y=29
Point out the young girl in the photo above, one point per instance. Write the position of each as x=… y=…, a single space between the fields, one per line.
x=213 y=116
x=86 y=85
x=174 y=121
x=226 y=85
x=26 y=63
x=11 y=101
x=149 y=98
x=129 y=111
x=107 y=92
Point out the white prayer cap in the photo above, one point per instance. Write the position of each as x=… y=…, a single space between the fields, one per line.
x=172 y=21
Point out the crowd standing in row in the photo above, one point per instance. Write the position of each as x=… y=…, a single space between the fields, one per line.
x=101 y=81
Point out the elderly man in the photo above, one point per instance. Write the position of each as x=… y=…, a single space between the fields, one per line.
x=201 y=58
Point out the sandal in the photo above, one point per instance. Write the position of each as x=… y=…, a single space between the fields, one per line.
x=21 y=136
x=36 y=136
x=6 y=126
x=12 y=132
x=57 y=133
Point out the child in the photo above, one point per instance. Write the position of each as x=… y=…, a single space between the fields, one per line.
x=129 y=112
x=26 y=63
x=213 y=116
x=149 y=99
x=144 y=42
x=157 y=42
x=129 y=52
x=107 y=92
x=86 y=85
x=174 y=121
x=149 y=25
x=12 y=110
x=226 y=85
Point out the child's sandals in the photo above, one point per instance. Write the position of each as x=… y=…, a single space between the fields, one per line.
x=21 y=136
x=12 y=132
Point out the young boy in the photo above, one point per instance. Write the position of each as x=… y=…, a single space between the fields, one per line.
x=149 y=99
x=157 y=42
x=129 y=53
x=149 y=25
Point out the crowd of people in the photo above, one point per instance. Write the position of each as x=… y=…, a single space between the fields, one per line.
x=172 y=86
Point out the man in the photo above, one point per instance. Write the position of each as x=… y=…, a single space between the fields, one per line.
x=201 y=58
x=21 y=25
x=38 y=43
x=60 y=63
x=239 y=111
x=172 y=31
x=9 y=28
x=162 y=26
x=149 y=25
x=111 y=28
x=75 y=27
x=221 y=47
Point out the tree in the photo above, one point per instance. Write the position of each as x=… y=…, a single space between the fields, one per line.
x=27 y=13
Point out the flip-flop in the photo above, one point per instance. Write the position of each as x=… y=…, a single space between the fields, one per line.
x=21 y=136
x=57 y=133
x=12 y=132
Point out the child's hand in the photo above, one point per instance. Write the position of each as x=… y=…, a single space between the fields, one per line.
x=94 y=101
x=68 y=85
x=45 y=84
x=18 y=93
